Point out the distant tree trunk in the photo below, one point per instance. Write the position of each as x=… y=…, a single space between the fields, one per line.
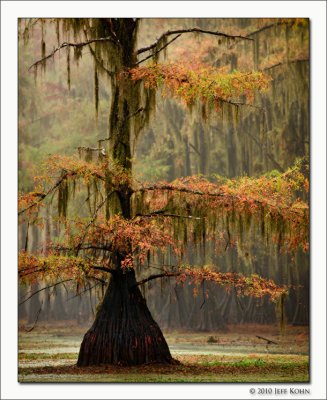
x=301 y=313
x=35 y=303
x=204 y=149
x=231 y=147
x=187 y=170
x=124 y=331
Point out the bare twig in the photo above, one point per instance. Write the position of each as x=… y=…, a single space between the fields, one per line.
x=36 y=319
x=99 y=62
x=238 y=104
x=78 y=247
x=194 y=148
x=286 y=63
x=84 y=291
x=42 y=196
x=264 y=28
x=159 y=50
x=269 y=155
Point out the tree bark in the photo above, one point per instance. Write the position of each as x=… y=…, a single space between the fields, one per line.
x=124 y=332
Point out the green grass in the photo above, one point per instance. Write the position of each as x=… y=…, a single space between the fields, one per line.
x=243 y=363
x=173 y=378
x=193 y=368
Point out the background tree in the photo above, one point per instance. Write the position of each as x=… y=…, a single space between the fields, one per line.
x=141 y=219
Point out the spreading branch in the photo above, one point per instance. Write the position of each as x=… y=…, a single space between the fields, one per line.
x=70 y=44
x=192 y=30
x=171 y=187
x=252 y=285
x=186 y=190
x=41 y=196
x=44 y=288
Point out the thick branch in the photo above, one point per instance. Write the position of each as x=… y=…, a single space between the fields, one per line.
x=33 y=270
x=68 y=44
x=157 y=276
x=181 y=189
x=162 y=214
x=211 y=194
x=192 y=30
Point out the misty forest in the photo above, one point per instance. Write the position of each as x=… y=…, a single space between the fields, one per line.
x=163 y=200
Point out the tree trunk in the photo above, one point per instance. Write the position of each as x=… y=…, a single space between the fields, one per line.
x=124 y=332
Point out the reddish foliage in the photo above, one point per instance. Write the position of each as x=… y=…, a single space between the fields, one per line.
x=201 y=82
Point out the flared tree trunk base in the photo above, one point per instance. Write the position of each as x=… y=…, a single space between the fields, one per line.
x=124 y=332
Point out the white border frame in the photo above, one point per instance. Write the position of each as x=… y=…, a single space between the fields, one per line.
x=316 y=11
